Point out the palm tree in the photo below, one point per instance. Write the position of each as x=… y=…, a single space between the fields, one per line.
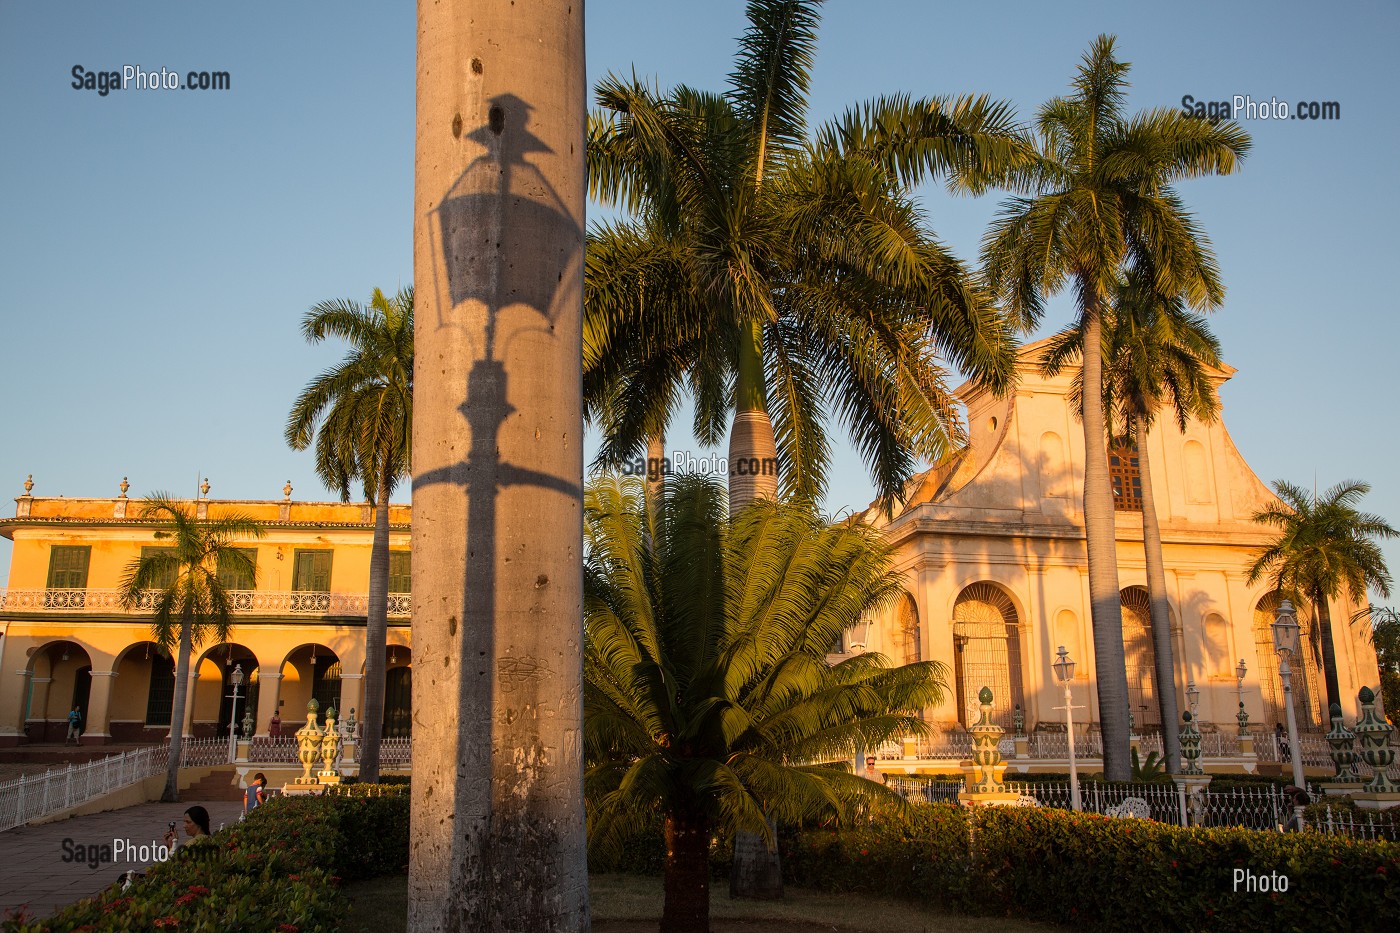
x=1324 y=545
x=1099 y=197
x=781 y=279
x=500 y=189
x=360 y=415
x=1156 y=354
x=709 y=699
x=181 y=584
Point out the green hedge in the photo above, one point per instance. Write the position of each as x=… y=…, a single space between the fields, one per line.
x=1100 y=873
x=275 y=872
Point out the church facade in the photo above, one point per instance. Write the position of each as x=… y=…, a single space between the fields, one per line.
x=991 y=544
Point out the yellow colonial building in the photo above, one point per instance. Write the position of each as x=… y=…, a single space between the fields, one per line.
x=299 y=629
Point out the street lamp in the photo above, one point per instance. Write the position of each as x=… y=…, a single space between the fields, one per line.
x=1193 y=698
x=1064 y=673
x=236 y=678
x=859 y=644
x=1239 y=695
x=1285 y=629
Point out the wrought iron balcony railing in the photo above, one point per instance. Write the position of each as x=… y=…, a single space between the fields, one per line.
x=250 y=602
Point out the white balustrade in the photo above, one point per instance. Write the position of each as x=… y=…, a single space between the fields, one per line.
x=248 y=602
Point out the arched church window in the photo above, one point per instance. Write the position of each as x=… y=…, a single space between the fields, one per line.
x=987 y=653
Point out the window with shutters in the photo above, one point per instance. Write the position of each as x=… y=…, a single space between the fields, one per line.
x=236 y=577
x=68 y=567
x=400 y=575
x=1126 y=477
x=169 y=569
x=311 y=571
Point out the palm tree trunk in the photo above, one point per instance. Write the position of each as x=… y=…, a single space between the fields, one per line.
x=687 y=903
x=171 y=794
x=753 y=474
x=376 y=632
x=1329 y=654
x=1101 y=542
x=1165 y=669
x=497 y=805
x=655 y=481
x=753 y=455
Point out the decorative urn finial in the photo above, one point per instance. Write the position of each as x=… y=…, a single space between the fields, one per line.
x=204 y=487
x=123 y=486
x=287 y=491
x=29 y=484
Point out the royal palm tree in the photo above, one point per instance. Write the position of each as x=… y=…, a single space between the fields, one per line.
x=710 y=703
x=1325 y=545
x=782 y=279
x=359 y=413
x=1157 y=355
x=500 y=188
x=180 y=582
x=1098 y=198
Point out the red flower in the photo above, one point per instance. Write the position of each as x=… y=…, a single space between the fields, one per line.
x=1174 y=863
x=294 y=877
x=184 y=899
x=167 y=921
x=864 y=851
x=198 y=889
x=287 y=928
x=1380 y=869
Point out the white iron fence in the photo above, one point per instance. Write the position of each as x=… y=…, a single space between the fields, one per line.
x=35 y=795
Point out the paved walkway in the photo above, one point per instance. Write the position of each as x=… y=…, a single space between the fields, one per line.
x=32 y=867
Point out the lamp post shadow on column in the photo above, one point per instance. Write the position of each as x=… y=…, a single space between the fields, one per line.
x=498 y=499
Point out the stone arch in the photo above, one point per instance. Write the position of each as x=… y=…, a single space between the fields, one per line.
x=145 y=693
x=60 y=677
x=987 y=652
x=1307 y=697
x=310 y=670
x=907 y=643
x=211 y=696
x=1140 y=660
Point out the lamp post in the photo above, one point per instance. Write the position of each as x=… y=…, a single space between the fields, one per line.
x=236 y=678
x=1285 y=630
x=1240 y=671
x=1064 y=673
x=858 y=644
x=1193 y=698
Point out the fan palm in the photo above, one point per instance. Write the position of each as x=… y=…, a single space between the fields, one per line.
x=1156 y=355
x=1100 y=197
x=360 y=415
x=780 y=279
x=708 y=697
x=1325 y=545
x=180 y=582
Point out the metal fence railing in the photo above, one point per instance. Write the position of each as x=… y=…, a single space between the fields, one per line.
x=37 y=795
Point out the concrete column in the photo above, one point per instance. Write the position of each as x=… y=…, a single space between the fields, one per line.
x=352 y=695
x=97 y=729
x=39 y=705
x=269 y=696
x=14 y=690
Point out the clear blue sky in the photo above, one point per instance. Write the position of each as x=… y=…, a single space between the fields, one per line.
x=158 y=249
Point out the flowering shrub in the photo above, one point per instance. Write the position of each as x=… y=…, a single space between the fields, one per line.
x=276 y=872
x=1101 y=873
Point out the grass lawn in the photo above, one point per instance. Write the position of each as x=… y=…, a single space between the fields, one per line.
x=630 y=904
